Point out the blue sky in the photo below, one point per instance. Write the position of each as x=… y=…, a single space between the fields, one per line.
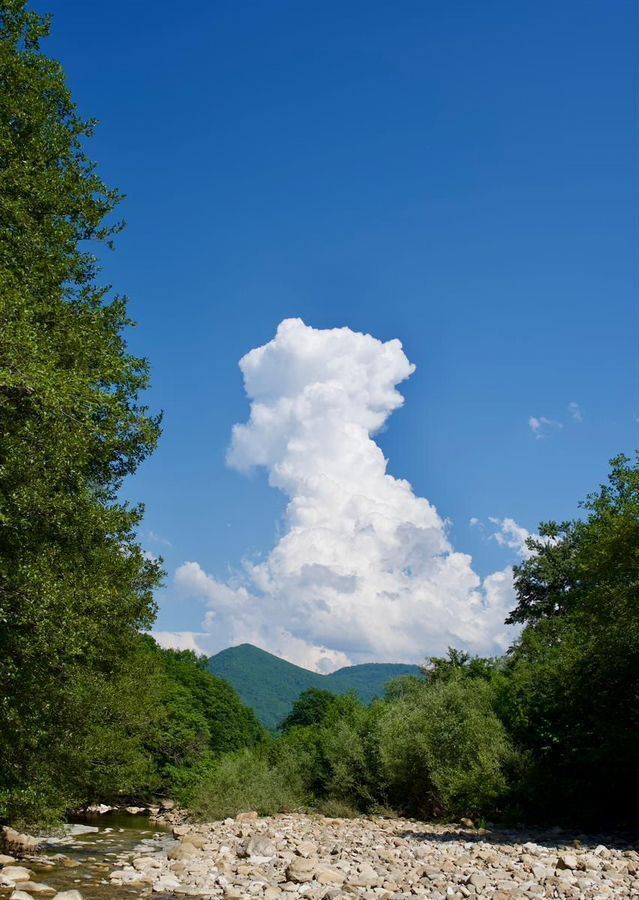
x=461 y=176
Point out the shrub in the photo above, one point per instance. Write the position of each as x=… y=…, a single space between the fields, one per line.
x=337 y=809
x=444 y=751
x=248 y=780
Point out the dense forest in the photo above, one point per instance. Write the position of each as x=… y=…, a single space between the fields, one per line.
x=91 y=709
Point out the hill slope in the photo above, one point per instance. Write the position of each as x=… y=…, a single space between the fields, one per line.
x=271 y=685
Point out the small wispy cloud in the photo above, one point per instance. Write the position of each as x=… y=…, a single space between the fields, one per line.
x=156 y=538
x=507 y=533
x=575 y=411
x=510 y=535
x=542 y=425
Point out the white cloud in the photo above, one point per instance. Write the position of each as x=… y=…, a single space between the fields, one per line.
x=575 y=411
x=365 y=569
x=512 y=536
x=158 y=539
x=541 y=425
x=179 y=640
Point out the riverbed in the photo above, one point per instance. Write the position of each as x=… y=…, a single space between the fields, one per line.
x=83 y=859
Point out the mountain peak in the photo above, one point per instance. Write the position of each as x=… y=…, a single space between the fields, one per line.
x=270 y=684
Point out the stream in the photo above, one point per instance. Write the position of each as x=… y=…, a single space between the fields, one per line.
x=83 y=859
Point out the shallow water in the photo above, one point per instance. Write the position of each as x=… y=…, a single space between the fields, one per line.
x=83 y=861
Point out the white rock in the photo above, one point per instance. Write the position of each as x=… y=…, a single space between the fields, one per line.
x=166 y=883
x=16 y=873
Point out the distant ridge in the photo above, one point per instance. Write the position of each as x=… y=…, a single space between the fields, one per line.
x=271 y=685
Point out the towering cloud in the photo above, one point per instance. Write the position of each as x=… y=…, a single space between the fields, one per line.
x=365 y=569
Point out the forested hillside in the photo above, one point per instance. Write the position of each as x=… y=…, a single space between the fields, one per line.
x=270 y=685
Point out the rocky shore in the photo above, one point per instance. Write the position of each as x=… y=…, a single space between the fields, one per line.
x=316 y=857
x=321 y=858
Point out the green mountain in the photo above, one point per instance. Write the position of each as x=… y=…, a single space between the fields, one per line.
x=271 y=685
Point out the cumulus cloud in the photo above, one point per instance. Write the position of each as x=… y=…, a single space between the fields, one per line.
x=365 y=568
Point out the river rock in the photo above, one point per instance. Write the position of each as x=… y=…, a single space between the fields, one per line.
x=16 y=873
x=21 y=895
x=250 y=816
x=184 y=850
x=300 y=870
x=78 y=828
x=327 y=875
x=195 y=840
x=259 y=847
x=69 y=895
x=166 y=883
x=366 y=876
x=567 y=861
x=18 y=842
x=6 y=860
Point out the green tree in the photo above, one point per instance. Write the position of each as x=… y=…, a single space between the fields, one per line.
x=201 y=718
x=458 y=664
x=571 y=689
x=311 y=708
x=75 y=586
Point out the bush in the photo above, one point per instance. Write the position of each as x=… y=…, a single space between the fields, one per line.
x=337 y=809
x=244 y=781
x=444 y=751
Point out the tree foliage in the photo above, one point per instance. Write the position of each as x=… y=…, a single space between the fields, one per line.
x=75 y=586
x=571 y=691
x=312 y=707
